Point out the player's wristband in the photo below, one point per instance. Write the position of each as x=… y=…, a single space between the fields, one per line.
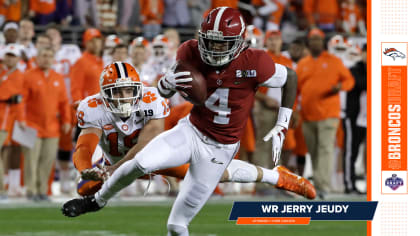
x=164 y=92
x=284 y=116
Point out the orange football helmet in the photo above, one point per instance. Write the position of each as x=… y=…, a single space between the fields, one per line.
x=121 y=89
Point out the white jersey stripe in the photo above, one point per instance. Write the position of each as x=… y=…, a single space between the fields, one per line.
x=218 y=17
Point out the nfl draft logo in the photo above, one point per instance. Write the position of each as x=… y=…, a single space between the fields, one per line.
x=394 y=53
x=394 y=182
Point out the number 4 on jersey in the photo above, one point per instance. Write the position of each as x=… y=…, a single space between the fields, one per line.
x=222 y=109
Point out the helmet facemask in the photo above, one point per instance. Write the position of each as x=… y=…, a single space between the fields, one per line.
x=227 y=47
x=122 y=98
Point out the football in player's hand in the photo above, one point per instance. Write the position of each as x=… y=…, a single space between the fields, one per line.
x=197 y=93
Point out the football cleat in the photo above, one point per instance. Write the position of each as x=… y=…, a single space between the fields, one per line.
x=294 y=183
x=78 y=206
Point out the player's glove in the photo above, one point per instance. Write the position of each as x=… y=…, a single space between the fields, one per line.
x=96 y=173
x=277 y=134
x=174 y=81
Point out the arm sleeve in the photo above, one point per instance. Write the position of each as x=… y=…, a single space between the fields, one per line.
x=4 y=93
x=266 y=67
x=20 y=108
x=25 y=94
x=75 y=54
x=85 y=147
x=159 y=105
x=298 y=73
x=308 y=10
x=76 y=81
x=88 y=116
x=143 y=10
x=162 y=109
x=32 y=5
x=278 y=79
x=346 y=78
x=64 y=104
x=268 y=8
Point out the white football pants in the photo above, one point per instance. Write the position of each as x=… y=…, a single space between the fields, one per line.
x=182 y=144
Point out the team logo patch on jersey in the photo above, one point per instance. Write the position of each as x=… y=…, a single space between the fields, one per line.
x=149 y=97
x=108 y=127
x=394 y=53
x=124 y=127
x=246 y=73
x=394 y=182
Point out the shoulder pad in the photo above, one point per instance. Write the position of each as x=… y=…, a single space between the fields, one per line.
x=90 y=112
x=153 y=105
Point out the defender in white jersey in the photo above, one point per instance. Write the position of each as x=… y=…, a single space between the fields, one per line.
x=115 y=118
x=119 y=134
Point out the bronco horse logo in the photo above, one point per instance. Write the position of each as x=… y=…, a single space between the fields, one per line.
x=392 y=52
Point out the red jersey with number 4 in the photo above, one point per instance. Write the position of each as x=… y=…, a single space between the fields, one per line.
x=230 y=91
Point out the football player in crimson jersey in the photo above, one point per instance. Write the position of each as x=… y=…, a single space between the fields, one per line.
x=118 y=132
x=208 y=138
x=122 y=126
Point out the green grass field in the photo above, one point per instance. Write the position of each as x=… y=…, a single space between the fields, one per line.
x=150 y=219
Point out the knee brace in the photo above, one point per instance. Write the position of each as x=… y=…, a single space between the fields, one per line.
x=177 y=230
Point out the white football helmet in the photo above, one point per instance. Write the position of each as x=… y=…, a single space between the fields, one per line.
x=160 y=47
x=337 y=46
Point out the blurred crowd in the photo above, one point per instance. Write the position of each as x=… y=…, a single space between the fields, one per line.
x=43 y=80
x=149 y=16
